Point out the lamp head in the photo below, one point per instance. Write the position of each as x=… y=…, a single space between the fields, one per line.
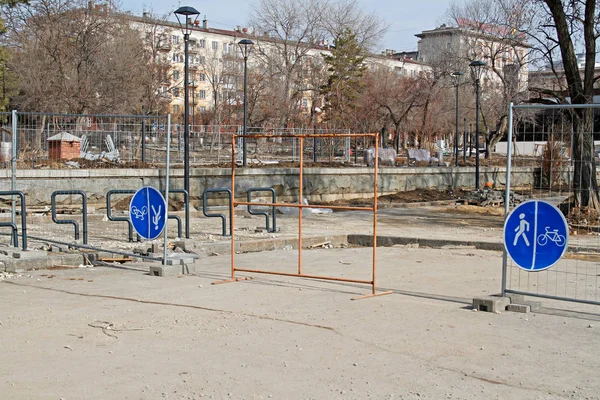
x=477 y=67
x=457 y=75
x=189 y=15
x=245 y=46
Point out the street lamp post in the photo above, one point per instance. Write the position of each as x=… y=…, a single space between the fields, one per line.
x=245 y=47
x=456 y=75
x=190 y=16
x=477 y=70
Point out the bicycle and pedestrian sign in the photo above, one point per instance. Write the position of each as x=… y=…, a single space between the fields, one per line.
x=148 y=212
x=536 y=235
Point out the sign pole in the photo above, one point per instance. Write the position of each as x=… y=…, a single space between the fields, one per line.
x=507 y=193
x=168 y=170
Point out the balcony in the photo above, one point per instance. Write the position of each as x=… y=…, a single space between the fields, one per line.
x=166 y=97
x=164 y=46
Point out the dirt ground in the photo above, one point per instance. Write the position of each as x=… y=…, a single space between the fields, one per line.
x=115 y=332
x=118 y=333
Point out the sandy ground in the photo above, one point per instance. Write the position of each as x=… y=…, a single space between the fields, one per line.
x=291 y=338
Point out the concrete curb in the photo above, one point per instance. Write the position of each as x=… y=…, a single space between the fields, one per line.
x=386 y=241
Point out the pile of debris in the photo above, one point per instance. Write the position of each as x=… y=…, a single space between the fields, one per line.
x=491 y=198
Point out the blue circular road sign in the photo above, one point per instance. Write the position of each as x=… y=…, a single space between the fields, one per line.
x=536 y=235
x=148 y=212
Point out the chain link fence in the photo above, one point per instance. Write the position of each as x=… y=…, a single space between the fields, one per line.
x=555 y=153
x=47 y=140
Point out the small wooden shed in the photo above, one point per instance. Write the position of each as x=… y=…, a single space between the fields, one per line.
x=64 y=146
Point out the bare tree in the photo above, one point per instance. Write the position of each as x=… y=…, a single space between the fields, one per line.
x=493 y=31
x=286 y=31
x=340 y=15
x=74 y=58
x=558 y=29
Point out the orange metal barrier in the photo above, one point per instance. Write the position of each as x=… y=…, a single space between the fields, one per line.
x=301 y=206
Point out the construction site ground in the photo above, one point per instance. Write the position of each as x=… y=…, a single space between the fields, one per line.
x=113 y=331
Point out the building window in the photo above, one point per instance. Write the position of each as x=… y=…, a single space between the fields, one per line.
x=202 y=77
x=176 y=92
x=175 y=108
x=202 y=94
x=201 y=59
x=202 y=108
x=202 y=43
x=175 y=39
x=176 y=75
x=215 y=45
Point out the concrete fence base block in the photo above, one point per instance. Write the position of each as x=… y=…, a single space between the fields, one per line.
x=516 y=298
x=520 y=308
x=491 y=304
x=172 y=270
x=533 y=305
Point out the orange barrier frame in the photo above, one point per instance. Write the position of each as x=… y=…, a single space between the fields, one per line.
x=301 y=206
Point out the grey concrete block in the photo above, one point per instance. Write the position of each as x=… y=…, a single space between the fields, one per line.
x=172 y=270
x=533 y=305
x=185 y=244
x=491 y=304
x=182 y=258
x=30 y=254
x=516 y=298
x=520 y=308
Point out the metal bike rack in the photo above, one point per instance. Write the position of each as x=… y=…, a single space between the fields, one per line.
x=266 y=214
x=12 y=225
x=117 y=219
x=130 y=225
x=204 y=203
x=72 y=221
x=186 y=197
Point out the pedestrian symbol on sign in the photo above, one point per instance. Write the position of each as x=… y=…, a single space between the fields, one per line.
x=521 y=229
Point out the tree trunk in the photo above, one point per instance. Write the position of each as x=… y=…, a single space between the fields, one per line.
x=585 y=182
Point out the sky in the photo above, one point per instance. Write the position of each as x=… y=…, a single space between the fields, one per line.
x=405 y=17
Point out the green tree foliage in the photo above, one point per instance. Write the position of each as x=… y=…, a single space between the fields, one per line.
x=346 y=68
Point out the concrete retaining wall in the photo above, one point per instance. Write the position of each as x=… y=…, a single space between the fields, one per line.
x=320 y=184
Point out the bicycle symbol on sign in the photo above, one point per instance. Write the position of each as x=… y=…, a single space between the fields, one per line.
x=552 y=236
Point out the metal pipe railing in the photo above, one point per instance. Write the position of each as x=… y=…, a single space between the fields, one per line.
x=119 y=219
x=72 y=221
x=205 y=212
x=14 y=235
x=266 y=214
x=23 y=215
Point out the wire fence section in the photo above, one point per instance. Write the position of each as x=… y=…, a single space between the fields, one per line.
x=556 y=144
x=47 y=140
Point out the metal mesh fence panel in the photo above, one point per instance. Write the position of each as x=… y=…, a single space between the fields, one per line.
x=107 y=141
x=543 y=141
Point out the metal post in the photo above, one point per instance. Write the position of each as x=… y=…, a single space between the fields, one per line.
x=143 y=136
x=186 y=118
x=167 y=173
x=456 y=134
x=315 y=143
x=507 y=193
x=470 y=140
x=13 y=165
x=464 y=141
x=477 y=134
x=244 y=156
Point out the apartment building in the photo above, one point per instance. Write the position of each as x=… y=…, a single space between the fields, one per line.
x=505 y=52
x=216 y=64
